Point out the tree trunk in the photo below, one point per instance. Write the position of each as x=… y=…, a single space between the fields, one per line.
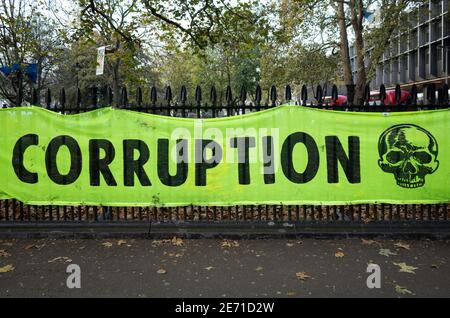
x=343 y=44
x=357 y=24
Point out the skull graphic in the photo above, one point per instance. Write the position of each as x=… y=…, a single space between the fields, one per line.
x=410 y=153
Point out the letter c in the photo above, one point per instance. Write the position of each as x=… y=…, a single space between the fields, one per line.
x=17 y=160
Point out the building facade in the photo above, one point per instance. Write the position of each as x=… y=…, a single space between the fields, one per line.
x=417 y=53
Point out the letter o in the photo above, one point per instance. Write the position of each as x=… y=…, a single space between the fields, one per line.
x=75 y=160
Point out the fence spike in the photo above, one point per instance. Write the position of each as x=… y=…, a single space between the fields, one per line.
x=382 y=93
x=258 y=95
x=109 y=96
x=413 y=94
x=153 y=95
x=431 y=93
x=273 y=95
x=213 y=96
x=62 y=97
x=198 y=95
x=229 y=95
x=398 y=94
x=34 y=97
x=48 y=98
x=168 y=96
x=243 y=96
x=304 y=95
x=288 y=93
x=367 y=94
x=319 y=94
x=78 y=97
x=94 y=96
x=124 y=97
x=334 y=93
x=183 y=95
x=445 y=96
x=139 y=97
x=350 y=93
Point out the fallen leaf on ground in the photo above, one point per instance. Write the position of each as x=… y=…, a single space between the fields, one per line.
x=8 y=244
x=176 y=241
x=34 y=246
x=6 y=269
x=302 y=276
x=228 y=243
x=402 y=290
x=107 y=244
x=259 y=268
x=402 y=245
x=121 y=242
x=386 y=252
x=339 y=254
x=369 y=242
x=289 y=244
x=4 y=253
x=435 y=266
x=209 y=268
x=406 y=268
x=65 y=259
x=161 y=271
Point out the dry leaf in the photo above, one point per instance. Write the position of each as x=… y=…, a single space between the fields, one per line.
x=209 y=268
x=259 y=268
x=302 y=276
x=229 y=243
x=107 y=244
x=289 y=244
x=386 y=252
x=402 y=290
x=6 y=269
x=176 y=241
x=65 y=259
x=8 y=244
x=369 y=242
x=403 y=245
x=34 y=246
x=4 y=253
x=161 y=271
x=406 y=268
x=339 y=254
x=121 y=242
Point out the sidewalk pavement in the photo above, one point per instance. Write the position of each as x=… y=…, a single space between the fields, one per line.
x=225 y=268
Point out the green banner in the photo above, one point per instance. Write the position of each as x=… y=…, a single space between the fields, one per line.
x=285 y=155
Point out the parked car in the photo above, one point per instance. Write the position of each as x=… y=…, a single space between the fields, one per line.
x=340 y=101
x=390 y=97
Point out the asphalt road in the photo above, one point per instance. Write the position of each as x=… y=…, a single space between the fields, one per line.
x=216 y=268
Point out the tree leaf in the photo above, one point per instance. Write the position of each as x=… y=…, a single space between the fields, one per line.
x=386 y=252
x=176 y=241
x=4 y=253
x=7 y=268
x=302 y=276
x=107 y=244
x=369 y=242
x=403 y=245
x=339 y=254
x=229 y=243
x=406 y=268
x=402 y=290
x=161 y=271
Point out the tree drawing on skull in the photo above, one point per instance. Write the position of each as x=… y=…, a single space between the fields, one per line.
x=410 y=153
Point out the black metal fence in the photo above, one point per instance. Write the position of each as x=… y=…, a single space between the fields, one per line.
x=15 y=212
